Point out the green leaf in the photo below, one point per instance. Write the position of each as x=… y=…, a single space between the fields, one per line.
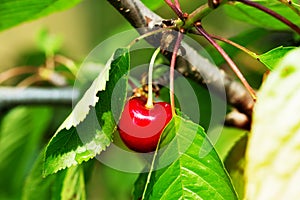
x=227 y=140
x=48 y=43
x=235 y=165
x=73 y=185
x=109 y=183
x=14 y=12
x=273 y=154
x=66 y=184
x=153 y=5
x=196 y=172
x=272 y=57
x=139 y=186
x=21 y=133
x=36 y=187
x=254 y=16
x=88 y=129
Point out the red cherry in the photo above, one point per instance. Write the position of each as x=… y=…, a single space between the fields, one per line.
x=140 y=127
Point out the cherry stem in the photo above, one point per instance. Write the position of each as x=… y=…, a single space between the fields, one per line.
x=227 y=59
x=272 y=13
x=175 y=7
x=149 y=103
x=172 y=70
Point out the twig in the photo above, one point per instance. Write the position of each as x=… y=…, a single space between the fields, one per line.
x=30 y=80
x=177 y=4
x=242 y=48
x=68 y=63
x=175 y=7
x=197 y=15
x=143 y=36
x=172 y=69
x=230 y=42
x=16 y=72
x=227 y=59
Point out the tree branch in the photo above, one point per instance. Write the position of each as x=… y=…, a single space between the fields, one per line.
x=13 y=96
x=141 y=17
x=205 y=74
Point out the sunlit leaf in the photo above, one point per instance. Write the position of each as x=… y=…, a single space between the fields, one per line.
x=272 y=57
x=14 y=12
x=254 y=16
x=88 y=129
x=273 y=155
x=196 y=172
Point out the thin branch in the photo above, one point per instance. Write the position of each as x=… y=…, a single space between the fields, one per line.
x=68 y=63
x=13 y=96
x=272 y=13
x=227 y=59
x=30 y=80
x=177 y=4
x=232 y=43
x=197 y=15
x=143 y=36
x=16 y=72
x=208 y=75
x=175 y=7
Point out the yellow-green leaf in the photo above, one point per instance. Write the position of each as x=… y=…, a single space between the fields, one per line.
x=273 y=155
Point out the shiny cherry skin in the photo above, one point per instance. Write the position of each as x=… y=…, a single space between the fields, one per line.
x=141 y=127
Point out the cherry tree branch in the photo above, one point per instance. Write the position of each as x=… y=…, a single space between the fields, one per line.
x=140 y=17
x=13 y=96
